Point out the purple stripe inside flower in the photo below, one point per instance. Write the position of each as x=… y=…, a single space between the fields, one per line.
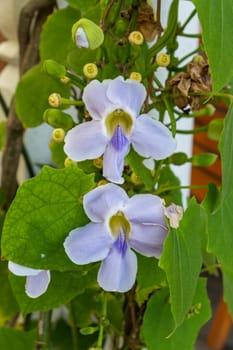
x=121 y=243
x=119 y=140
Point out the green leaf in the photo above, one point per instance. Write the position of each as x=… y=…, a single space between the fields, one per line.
x=228 y=287
x=216 y=21
x=204 y=159
x=63 y=287
x=144 y=174
x=8 y=305
x=181 y=260
x=56 y=39
x=221 y=219
x=158 y=322
x=82 y=5
x=46 y=208
x=12 y=339
x=32 y=95
x=149 y=277
x=78 y=57
x=167 y=184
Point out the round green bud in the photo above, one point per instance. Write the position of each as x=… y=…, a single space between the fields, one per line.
x=86 y=33
x=54 y=69
x=136 y=76
x=58 y=119
x=163 y=60
x=215 y=128
x=136 y=38
x=54 y=99
x=58 y=135
x=90 y=70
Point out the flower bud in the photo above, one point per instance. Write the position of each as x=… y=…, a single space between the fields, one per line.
x=58 y=119
x=135 y=76
x=102 y=182
x=135 y=179
x=58 y=135
x=54 y=100
x=65 y=80
x=86 y=33
x=136 y=38
x=69 y=162
x=54 y=68
x=98 y=163
x=90 y=70
x=215 y=129
x=163 y=60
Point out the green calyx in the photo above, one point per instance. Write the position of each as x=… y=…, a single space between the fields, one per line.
x=58 y=119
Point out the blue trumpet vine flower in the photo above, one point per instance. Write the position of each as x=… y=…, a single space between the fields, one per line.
x=37 y=281
x=114 y=106
x=118 y=225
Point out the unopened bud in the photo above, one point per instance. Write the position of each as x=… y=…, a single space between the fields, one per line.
x=90 y=70
x=58 y=119
x=58 y=135
x=69 y=162
x=98 y=163
x=54 y=100
x=54 y=68
x=163 y=60
x=135 y=76
x=136 y=38
x=102 y=182
x=64 y=80
x=198 y=58
x=135 y=179
x=86 y=33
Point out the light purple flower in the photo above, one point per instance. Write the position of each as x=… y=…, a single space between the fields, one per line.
x=114 y=106
x=118 y=223
x=37 y=281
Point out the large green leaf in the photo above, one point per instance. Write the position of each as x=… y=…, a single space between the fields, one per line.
x=8 y=306
x=149 y=277
x=216 y=21
x=221 y=220
x=63 y=287
x=182 y=258
x=12 y=339
x=46 y=208
x=158 y=321
x=56 y=39
x=32 y=95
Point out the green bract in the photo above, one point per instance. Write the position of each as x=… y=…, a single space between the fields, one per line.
x=94 y=33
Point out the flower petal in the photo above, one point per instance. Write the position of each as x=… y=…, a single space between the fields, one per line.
x=113 y=162
x=151 y=138
x=85 y=141
x=147 y=239
x=96 y=100
x=128 y=95
x=37 y=285
x=88 y=244
x=145 y=209
x=104 y=201
x=81 y=38
x=20 y=270
x=118 y=271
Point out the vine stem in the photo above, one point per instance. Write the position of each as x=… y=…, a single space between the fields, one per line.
x=43 y=331
x=173 y=188
x=73 y=327
x=102 y=322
